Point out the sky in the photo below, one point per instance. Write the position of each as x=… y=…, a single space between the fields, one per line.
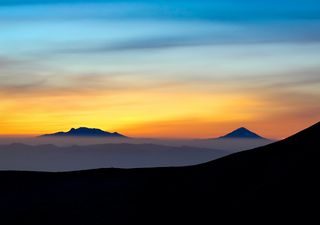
x=159 y=68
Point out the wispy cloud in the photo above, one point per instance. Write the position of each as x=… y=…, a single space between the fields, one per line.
x=145 y=61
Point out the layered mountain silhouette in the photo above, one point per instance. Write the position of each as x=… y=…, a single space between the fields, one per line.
x=85 y=132
x=274 y=183
x=242 y=132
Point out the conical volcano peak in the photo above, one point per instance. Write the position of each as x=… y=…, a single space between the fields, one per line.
x=242 y=132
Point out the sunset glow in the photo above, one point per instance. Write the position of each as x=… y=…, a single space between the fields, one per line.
x=195 y=72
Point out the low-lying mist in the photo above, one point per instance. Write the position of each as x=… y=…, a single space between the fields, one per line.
x=69 y=154
x=227 y=144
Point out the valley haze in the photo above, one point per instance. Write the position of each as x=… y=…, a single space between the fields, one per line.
x=91 y=148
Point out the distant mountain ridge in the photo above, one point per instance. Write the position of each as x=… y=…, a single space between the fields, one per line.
x=85 y=132
x=242 y=132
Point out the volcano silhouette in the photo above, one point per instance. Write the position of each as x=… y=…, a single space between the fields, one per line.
x=85 y=132
x=242 y=133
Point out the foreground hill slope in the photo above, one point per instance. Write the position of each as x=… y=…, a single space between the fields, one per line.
x=280 y=179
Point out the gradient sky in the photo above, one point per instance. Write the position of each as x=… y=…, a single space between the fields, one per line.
x=157 y=68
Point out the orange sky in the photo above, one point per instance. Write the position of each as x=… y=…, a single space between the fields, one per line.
x=171 y=112
x=148 y=69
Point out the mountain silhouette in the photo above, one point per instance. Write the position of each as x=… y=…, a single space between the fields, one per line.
x=85 y=132
x=242 y=132
x=274 y=183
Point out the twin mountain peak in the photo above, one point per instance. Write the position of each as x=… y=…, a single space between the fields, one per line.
x=85 y=132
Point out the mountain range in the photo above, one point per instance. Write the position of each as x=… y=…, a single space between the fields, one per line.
x=85 y=132
x=274 y=183
x=95 y=132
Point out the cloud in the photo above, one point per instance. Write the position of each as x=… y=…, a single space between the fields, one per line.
x=93 y=84
x=180 y=35
x=8 y=62
x=155 y=43
x=11 y=85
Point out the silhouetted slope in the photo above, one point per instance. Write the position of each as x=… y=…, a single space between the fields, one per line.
x=278 y=181
x=242 y=133
x=85 y=132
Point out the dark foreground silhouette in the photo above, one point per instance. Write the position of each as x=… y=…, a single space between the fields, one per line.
x=278 y=181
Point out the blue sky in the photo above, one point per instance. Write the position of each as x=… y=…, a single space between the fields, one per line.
x=206 y=47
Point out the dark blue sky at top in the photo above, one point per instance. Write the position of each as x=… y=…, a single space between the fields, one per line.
x=83 y=26
x=204 y=9
x=148 y=24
